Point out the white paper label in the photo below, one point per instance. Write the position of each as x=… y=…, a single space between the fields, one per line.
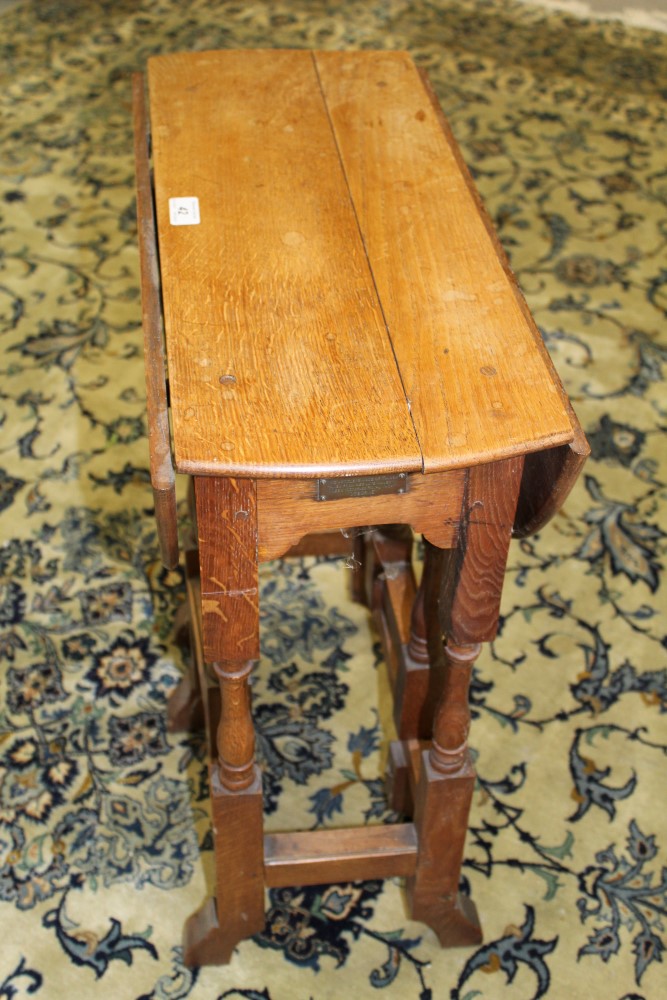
x=184 y=211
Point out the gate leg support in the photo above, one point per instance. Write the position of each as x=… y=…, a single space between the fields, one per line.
x=443 y=798
x=237 y=910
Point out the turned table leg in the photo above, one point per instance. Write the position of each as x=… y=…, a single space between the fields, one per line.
x=416 y=687
x=467 y=607
x=441 y=809
x=227 y=524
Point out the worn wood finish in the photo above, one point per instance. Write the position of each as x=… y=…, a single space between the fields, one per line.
x=548 y=475
x=237 y=911
x=441 y=809
x=340 y=308
x=440 y=804
x=217 y=699
x=236 y=733
x=562 y=473
x=343 y=855
x=237 y=831
x=470 y=600
x=236 y=814
x=467 y=609
x=287 y=510
x=452 y=715
x=227 y=530
x=271 y=292
x=479 y=388
x=159 y=444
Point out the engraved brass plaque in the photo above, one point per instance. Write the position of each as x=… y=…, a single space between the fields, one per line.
x=344 y=487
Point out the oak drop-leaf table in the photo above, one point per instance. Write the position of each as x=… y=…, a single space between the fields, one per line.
x=346 y=346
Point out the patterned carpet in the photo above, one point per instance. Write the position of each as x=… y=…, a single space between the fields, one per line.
x=104 y=838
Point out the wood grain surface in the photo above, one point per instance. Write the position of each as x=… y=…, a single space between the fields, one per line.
x=236 y=734
x=342 y=306
x=339 y=306
x=313 y=857
x=213 y=931
x=451 y=723
x=477 y=381
x=157 y=414
x=441 y=809
x=271 y=292
x=227 y=529
x=473 y=579
x=287 y=510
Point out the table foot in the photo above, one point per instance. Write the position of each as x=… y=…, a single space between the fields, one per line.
x=237 y=912
x=205 y=942
x=453 y=919
x=441 y=807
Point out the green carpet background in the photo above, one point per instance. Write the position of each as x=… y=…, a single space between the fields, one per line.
x=105 y=845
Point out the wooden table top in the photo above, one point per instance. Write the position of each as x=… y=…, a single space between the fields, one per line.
x=336 y=303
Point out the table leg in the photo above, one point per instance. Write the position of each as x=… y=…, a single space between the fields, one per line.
x=467 y=607
x=185 y=708
x=416 y=690
x=227 y=525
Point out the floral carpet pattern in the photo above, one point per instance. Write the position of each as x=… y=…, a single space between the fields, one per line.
x=105 y=843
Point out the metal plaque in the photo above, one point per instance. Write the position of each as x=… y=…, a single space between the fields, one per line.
x=344 y=487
